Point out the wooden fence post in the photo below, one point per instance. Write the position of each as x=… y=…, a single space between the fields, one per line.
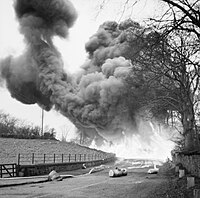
x=80 y=158
x=75 y=157
x=44 y=158
x=18 y=159
x=54 y=158
x=1 y=172
x=32 y=158
x=69 y=157
x=62 y=158
x=13 y=169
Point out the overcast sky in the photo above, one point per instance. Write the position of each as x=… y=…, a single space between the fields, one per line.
x=90 y=16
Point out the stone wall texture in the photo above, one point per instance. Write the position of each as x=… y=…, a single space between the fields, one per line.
x=189 y=161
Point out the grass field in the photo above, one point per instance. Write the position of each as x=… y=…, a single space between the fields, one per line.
x=10 y=148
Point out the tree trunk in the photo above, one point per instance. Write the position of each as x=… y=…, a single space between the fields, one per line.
x=189 y=142
x=188 y=122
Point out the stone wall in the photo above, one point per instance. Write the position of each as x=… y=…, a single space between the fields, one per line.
x=43 y=169
x=189 y=161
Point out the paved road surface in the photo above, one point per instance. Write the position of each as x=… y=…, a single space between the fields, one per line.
x=137 y=184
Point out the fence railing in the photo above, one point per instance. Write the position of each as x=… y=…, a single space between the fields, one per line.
x=38 y=158
x=8 y=170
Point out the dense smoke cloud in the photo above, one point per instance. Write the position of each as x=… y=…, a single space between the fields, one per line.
x=39 y=21
x=96 y=99
x=44 y=18
x=22 y=80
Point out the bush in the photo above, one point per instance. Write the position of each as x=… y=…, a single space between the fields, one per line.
x=11 y=127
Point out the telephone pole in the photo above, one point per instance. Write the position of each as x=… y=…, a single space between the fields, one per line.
x=42 y=128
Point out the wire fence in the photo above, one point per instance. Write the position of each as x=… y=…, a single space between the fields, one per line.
x=38 y=158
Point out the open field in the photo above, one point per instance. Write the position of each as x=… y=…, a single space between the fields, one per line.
x=10 y=148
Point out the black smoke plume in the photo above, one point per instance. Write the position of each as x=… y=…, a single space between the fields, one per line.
x=96 y=99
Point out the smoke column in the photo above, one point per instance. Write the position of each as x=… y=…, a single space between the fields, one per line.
x=96 y=100
x=39 y=22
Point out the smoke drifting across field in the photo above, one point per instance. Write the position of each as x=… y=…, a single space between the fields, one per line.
x=96 y=99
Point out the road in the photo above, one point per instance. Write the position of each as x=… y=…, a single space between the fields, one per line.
x=137 y=184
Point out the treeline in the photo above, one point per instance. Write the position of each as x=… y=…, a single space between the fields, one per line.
x=11 y=127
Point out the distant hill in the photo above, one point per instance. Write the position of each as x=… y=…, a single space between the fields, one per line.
x=10 y=147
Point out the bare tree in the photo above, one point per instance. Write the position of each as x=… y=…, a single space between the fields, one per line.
x=171 y=64
x=8 y=124
x=65 y=132
x=181 y=15
x=181 y=24
x=170 y=68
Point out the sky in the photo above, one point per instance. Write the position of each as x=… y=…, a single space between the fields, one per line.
x=91 y=13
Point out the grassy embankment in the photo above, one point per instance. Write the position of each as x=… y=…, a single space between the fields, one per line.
x=10 y=147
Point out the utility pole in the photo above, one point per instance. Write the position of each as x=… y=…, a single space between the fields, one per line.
x=42 y=128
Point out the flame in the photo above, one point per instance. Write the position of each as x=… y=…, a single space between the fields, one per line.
x=158 y=146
